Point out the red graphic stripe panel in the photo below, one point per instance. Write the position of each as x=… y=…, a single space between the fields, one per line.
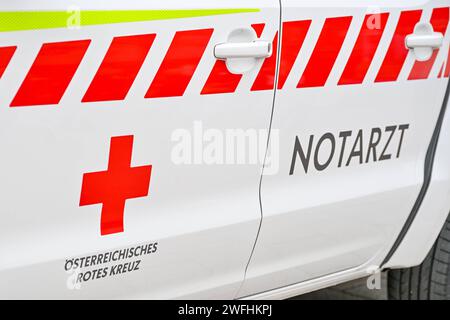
x=51 y=73
x=119 y=68
x=293 y=36
x=365 y=48
x=325 y=52
x=265 y=79
x=439 y=21
x=397 y=52
x=6 y=54
x=180 y=63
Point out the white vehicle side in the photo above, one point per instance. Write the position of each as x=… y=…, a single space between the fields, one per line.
x=215 y=230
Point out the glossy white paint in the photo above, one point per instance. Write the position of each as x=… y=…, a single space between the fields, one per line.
x=204 y=218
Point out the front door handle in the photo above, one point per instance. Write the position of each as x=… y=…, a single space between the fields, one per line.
x=234 y=50
x=243 y=50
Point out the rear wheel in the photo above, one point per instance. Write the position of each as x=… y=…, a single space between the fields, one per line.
x=428 y=281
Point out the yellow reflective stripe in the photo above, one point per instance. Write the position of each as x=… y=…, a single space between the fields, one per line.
x=35 y=20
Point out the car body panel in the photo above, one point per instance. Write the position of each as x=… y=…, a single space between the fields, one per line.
x=203 y=236
x=339 y=216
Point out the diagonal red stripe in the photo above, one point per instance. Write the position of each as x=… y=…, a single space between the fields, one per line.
x=365 y=48
x=220 y=80
x=6 y=53
x=266 y=77
x=447 y=65
x=397 y=52
x=180 y=63
x=119 y=68
x=439 y=21
x=441 y=71
x=51 y=73
x=293 y=36
x=259 y=28
x=325 y=52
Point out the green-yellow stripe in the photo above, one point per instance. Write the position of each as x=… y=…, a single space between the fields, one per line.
x=35 y=20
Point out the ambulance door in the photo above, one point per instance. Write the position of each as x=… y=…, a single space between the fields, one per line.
x=114 y=117
x=355 y=110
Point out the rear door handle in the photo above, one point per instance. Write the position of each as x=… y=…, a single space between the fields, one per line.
x=434 y=41
x=423 y=41
x=234 y=50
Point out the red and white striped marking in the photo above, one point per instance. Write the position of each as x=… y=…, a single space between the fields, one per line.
x=179 y=64
x=56 y=63
x=51 y=73
x=364 y=51
x=119 y=68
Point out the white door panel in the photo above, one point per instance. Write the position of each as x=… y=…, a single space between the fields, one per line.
x=203 y=235
x=336 y=211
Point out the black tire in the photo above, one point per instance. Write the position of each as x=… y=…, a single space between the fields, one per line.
x=428 y=281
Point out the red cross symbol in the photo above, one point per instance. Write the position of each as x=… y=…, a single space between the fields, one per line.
x=113 y=187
